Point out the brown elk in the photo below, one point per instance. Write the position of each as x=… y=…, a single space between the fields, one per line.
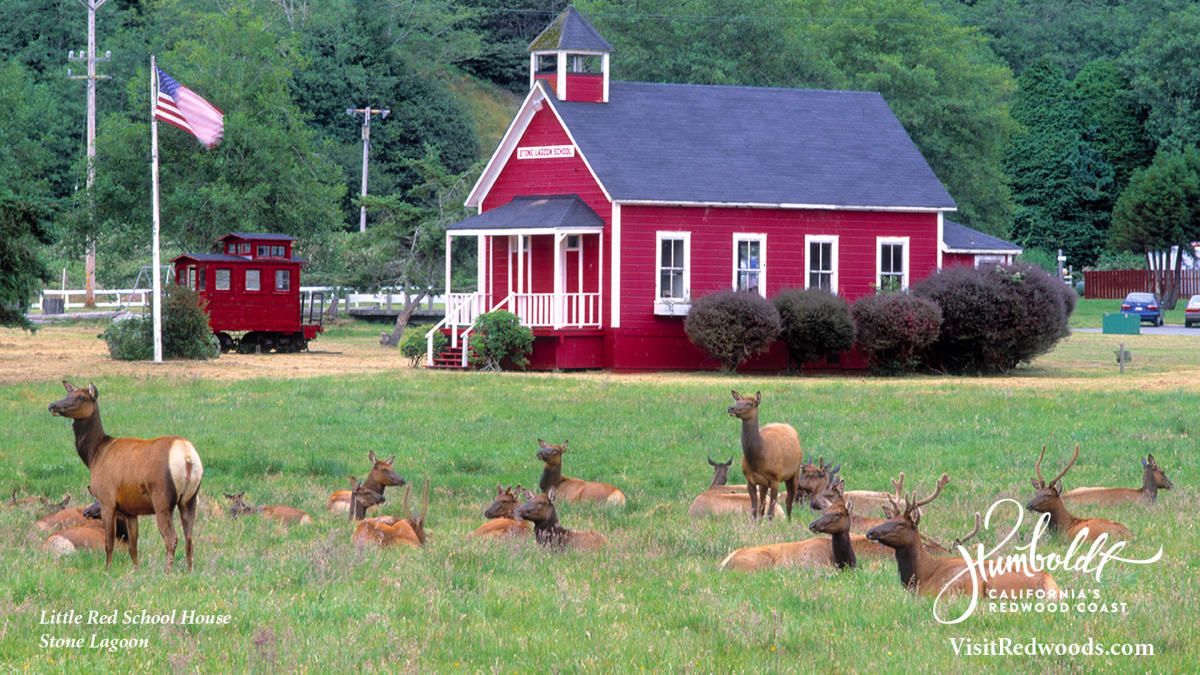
x=283 y=514
x=572 y=489
x=539 y=510
x=502 y=521
x=381 y=476
x=85 y=533
x=133 y=477
x=840 y=550
x=819 y=480
x=770 y=455
x=391 y=530
x=921 y=572
x=1153 y=480
x=1048 y=499
x=720 y=498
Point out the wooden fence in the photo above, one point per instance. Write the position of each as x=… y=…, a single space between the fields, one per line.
x=1116 y=284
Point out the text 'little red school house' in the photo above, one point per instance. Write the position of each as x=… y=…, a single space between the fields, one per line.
x=609 y=206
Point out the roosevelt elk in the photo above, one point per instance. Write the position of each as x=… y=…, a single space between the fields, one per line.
x=923 y=573
x=720 y=498
x=539 y=510
x=133 y=477
x=502 y=518
x=284 y=514
x=770 y=455
x=391 y=530
x=1047 y=499
x=80 y=529
x=572 y=489
x=1153 y=480
x=381 y=476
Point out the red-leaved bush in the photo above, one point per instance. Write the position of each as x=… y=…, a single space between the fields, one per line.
x=732 y=326
x=893 y=330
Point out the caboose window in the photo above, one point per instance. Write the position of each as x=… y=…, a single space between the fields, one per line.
x=252 y=280
x=202 y=271
x=244 y=249
x=222 y=280
x=263 y=251
x=191 y=278
x=277 y=252
x=283 y=280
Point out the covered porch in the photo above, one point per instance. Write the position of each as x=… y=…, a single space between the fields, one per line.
x=540 y=258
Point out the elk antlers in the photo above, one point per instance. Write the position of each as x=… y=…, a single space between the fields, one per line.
x=912 y=506
x=1040 y=482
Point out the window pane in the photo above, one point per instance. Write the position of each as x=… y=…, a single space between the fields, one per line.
x=222 y=283
x=252 y=280
x=283 y=280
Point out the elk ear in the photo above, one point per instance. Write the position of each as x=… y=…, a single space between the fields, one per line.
x=1035 y=484
x=526 y=494
x=550 y=495
x=915 y=516
x=92 y=390
x=849 y=504
x=227 y=495
x=1057 y=486
x=835 y=469
x=541 y=443
x=68 y=386
x=736 y=396
x=371 y=456
x=391 y=460
x=1145 y=463
x=563 y=447
x=757 y=397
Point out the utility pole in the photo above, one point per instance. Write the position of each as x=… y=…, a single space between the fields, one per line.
x=91 y=77
x=367 y=113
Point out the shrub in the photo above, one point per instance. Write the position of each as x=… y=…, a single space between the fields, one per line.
x=185 y=330
x=732 y=326
x=995 y=317
x=814 y=324
x=413 y=343
x=893 y=329
x=499 y=338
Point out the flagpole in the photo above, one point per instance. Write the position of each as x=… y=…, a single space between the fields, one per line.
x=157 y=285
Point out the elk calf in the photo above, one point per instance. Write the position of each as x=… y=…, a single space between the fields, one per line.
x=770 y=455
x=1048 y=499
x=132 y=477
x=386 y=531
x=88 y=536
x=502 y=522
x=1153 y=480
x=572 y=489
x=381 y=476
x=283 y=514
x=539 y=510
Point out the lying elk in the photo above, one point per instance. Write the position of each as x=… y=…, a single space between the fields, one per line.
x=539 y=510
x=770 y=455
x=923 y=573
x=381 y=476
x=840 y=550
x=572 y=489
x=132 y=477
x=78 y=529
x=1153 y=480
x=859 y=523
x=390 y=530
x=1047 y=499
x=284 y=514
x=501 y=514
x=720 y=498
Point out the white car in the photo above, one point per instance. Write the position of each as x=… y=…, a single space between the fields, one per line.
x=1191 y=314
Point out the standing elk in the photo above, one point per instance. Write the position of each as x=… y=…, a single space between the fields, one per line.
x=1153 y=480
x=719 y=498
x=1047 y=499
x=381 y=476
x=283 y=514
x=539 y=510
x=390 y=530
x=572 y=489
x=770 y=455
x=501 y=514
x=922 y=573
x=133 y=477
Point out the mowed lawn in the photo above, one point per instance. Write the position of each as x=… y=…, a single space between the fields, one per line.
x=306 y=599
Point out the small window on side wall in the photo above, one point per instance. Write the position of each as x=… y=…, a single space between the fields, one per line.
x=222 y=280
x=750 y=263
x=283 y=280
x=253 y=280
x=820 y=262
x=672 y=294
x=892 y=271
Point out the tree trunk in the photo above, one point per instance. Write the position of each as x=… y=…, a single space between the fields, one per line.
x=1176 y=280
x=411 y=302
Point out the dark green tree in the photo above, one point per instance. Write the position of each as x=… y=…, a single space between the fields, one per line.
x=1166 y=78
x=1111 y=119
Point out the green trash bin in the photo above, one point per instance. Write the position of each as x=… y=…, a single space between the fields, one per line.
x=1119 y=323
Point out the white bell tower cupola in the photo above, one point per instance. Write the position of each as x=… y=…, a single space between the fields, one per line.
x=572 y=58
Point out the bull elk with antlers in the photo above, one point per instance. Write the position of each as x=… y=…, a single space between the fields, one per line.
x=771 y=455
x=380 y=477
x=922 y=573
x=1153 y=480
x=132 y=477
x=572 y=489
x=501 y=514
x=1048 y=499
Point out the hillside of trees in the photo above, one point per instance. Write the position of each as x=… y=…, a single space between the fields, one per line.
x=1049 y=121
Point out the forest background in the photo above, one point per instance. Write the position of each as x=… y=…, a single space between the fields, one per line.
x=1053 y=123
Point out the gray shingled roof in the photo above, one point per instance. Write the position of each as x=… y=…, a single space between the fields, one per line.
x=751 y=145
x=556 y=212
x=570 y=32
x=958 y=237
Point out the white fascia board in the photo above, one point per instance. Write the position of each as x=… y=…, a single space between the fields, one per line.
x=529 y=231
x=984 y=251
x=785 y=205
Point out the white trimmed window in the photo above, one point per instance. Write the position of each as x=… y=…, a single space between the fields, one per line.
x=982 y=260
x=253 y=280
x=750 y=263
x=222 y=280
x=891 y=270
x=673 y=282
x=283 y=280
x=820 y=262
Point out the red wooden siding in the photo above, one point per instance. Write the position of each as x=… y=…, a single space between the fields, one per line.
x=958 y=259
x=270 y=310
x=1116 y=284
x=587 y=87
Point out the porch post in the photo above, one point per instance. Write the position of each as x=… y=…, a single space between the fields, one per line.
x=556 y=309
x=451 y=319
x=520 y=277
x=481 y=265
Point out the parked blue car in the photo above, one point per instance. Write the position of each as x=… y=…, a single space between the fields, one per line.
x=1144 y=305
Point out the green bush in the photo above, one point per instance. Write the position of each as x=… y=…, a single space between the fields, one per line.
x=185 y=330
x=732 y=326
x=893 y=329
x=413 y=343
x=815 y=324
x=994 y=318
x=498 y=338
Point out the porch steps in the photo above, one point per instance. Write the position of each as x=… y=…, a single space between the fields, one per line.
x=449 y=358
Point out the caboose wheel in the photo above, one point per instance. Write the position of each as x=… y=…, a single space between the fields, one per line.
x=227 y=343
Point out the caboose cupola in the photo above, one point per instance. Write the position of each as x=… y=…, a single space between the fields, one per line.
x=572 y=58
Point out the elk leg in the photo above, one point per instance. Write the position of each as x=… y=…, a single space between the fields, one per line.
x=108 y=518
x=167 y=530
x=131 y=530
x=753 y=490
x=187 y=517
x=774 y=491
x=790 y=498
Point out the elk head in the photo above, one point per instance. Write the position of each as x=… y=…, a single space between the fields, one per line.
x=78 y=404
x=900 y=529
x=537 y=508
x=835 y=515
x=720 y=471
x=504 y=504
x=362 y=498
x=551 y=454
x=814 y=480
x=1048 y=494
x=1160 y=477
x=237 y=505
x=382 y=472
x=745 y=407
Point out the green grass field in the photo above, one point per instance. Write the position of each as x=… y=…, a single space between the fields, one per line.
x=306 y=599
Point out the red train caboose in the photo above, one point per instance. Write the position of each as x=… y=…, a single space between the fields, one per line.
x=253 y=291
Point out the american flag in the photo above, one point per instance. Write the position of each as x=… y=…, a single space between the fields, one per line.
x=185 y=109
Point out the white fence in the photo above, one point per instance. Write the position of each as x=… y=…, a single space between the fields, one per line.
x=130 y=297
